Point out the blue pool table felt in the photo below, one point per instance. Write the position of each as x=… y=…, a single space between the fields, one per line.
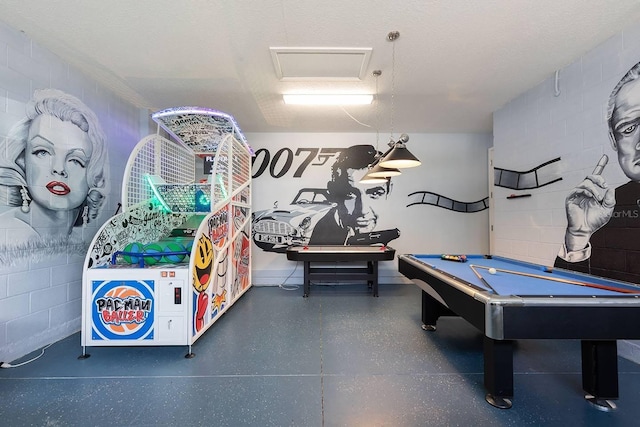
x=514 y=284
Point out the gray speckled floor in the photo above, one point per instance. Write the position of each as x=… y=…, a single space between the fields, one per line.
x=337 y=358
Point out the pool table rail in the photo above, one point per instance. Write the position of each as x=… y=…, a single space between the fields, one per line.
x=597 y=319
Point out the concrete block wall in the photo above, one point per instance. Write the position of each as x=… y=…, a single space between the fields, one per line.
x=542 y=124
x=453 y=165
x=40 y=298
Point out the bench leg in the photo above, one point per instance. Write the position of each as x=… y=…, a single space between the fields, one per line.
x=373 y=269
x=306 y=286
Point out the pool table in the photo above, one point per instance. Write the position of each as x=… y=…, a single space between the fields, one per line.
x=345 y=254
x=519 y=300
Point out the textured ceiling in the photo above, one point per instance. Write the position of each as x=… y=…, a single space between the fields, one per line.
x=457 y=61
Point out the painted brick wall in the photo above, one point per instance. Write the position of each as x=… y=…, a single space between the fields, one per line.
x=40 y=298
x=453 y=166
x=542 y=124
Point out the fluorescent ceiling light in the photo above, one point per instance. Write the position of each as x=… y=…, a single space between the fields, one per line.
x=324 y=99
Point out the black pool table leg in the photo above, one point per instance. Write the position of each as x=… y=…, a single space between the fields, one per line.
x=307 y=271
x=431 y=312
x=600 y=373
x=498 y=372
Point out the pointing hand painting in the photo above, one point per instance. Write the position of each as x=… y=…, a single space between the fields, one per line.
x=589 y=207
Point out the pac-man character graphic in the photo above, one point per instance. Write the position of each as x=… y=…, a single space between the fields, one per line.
x=201 y=310
x=202 y=263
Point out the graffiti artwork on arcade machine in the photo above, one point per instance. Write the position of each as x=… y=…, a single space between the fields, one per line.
x=219 y=230
x=219 y=287
x=208 y=285
x=345 y=212
x=218 y=225
x=122 y=309
x=203 y=257
x=142 y=223
x=239 y=217
x=53 y=178
x=241 y=248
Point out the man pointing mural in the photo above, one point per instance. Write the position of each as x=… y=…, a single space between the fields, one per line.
x=603 y=230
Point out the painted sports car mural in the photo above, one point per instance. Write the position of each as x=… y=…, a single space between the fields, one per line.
x=275 y=229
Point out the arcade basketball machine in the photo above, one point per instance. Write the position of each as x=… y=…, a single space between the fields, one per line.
x=167 y=267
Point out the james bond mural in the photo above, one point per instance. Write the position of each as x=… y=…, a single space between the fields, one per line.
x=53 y=174
x=603 y=230
x=338 y=212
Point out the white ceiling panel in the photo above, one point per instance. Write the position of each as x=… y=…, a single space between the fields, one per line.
x=320 y=64
x=457 y=61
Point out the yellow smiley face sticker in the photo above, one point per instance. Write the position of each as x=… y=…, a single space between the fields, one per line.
x=202 y=263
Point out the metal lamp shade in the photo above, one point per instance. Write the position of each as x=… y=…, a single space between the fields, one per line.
x=372 y=180
x=399 y=157
x=378 y=171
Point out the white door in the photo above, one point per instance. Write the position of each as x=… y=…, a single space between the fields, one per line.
x=491 y=201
